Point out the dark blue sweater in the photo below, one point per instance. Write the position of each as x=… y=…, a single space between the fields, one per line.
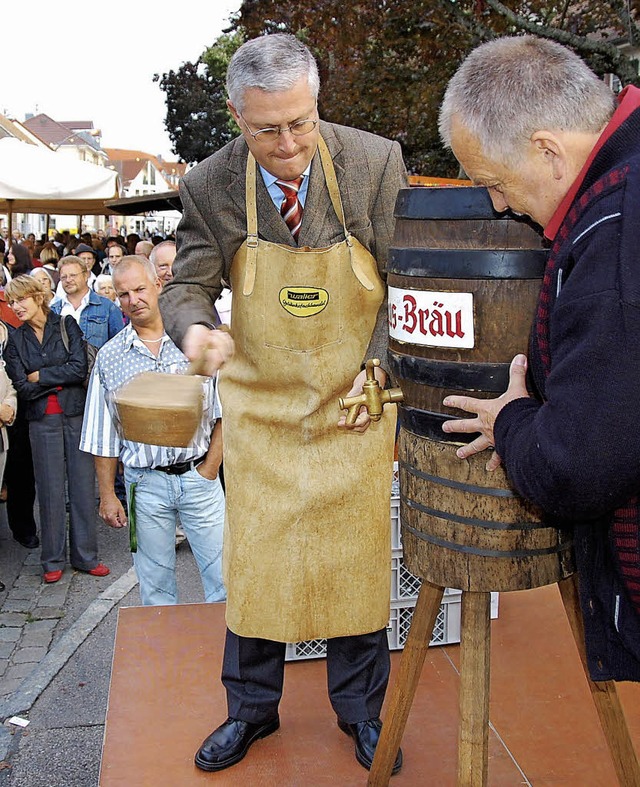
x=575 y=450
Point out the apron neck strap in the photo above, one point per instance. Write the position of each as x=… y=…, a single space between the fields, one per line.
x=252 y=213
x=252 y=227
x=332 y=182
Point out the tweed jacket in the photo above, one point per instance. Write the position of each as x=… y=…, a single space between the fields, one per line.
x=369 y=170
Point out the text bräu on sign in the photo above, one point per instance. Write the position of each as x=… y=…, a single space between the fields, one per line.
x=438 y=319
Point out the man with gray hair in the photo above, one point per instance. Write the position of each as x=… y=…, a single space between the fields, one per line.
x=526 y=118
x=297 y=214
x=143 y=248
x=162 y=256
x=162 y=481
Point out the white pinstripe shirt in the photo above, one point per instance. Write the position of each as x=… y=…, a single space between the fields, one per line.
x=117 y=362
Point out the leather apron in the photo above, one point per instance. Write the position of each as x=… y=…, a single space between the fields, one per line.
x=307 y=542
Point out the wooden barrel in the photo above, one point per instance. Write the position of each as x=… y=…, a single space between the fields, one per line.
x=463 y=284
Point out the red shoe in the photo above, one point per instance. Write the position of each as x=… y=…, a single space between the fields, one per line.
x=52 y=576
x=99 y=571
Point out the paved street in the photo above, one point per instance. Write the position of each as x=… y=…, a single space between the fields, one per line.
x=56 y=648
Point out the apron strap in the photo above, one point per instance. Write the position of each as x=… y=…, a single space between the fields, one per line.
x=252 y=220
x=334 y=193
x=332 y=184
x=252 y=227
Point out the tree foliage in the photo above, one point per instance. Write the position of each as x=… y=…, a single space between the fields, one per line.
x=197 y=119
x=384 y=64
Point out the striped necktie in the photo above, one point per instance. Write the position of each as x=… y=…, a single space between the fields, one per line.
x=291 y=208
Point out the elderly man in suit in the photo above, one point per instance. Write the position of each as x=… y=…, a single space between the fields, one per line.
x=297 y=214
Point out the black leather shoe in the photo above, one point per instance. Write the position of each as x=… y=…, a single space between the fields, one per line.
x=29 y=542
x=366 y=735
x=228 y=744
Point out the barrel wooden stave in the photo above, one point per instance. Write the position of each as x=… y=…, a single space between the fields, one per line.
x=476 y=520
x=485 y=233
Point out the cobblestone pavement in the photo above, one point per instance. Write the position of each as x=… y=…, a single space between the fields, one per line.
x=29 y=615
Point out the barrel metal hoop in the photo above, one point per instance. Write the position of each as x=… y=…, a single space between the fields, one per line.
x=448 y=482
x=471 y=521
x=524 y=553
x=460 y=203
x=453 y=203
x=424 y=423
x=468 y=263
x=462 y=376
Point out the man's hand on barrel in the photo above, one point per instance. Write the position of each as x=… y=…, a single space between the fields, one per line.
x=216 y=345
x=362 y=421
x=486 y=411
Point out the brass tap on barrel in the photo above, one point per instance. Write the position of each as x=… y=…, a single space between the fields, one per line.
x=372 y=397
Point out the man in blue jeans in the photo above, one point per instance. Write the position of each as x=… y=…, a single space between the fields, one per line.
x=162 y=481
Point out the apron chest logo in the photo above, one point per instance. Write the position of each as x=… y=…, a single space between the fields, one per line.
x=303 y=301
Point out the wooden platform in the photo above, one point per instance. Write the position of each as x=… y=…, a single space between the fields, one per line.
x=166 y=697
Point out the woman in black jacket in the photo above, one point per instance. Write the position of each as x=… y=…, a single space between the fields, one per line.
x=49 y=380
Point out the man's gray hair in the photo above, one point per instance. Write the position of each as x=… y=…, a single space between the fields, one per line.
x=163 y=245
x=508 y=89
x=272 y=63
x=129 y=262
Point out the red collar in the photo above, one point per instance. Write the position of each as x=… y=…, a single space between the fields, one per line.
x=628 y=102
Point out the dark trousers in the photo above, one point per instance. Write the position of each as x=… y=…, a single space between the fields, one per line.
x=357 y=676
x=20 y=481
x=54 y=443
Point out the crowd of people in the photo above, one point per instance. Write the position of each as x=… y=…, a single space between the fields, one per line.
x=57 y=298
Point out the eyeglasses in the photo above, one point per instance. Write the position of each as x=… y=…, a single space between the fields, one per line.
x=298 y=129
x=19 y=301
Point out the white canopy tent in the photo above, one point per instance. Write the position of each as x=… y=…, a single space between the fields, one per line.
x=37 y=180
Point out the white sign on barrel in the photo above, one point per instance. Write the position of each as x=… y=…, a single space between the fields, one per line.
x=436 y=319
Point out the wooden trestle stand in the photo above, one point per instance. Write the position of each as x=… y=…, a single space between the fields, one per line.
x=473 y=735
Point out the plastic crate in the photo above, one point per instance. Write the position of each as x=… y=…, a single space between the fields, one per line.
x=495 y=600
x=396 y=534
x=446 y=629
x=309 y=649
x=404 y=584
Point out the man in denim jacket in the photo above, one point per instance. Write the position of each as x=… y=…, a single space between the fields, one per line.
x=98 y=317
